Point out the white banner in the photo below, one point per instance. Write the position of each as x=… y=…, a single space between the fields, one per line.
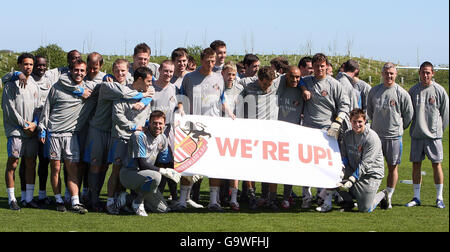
x=256 y=150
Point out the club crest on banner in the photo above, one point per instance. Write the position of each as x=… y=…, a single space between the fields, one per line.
x=190 y=145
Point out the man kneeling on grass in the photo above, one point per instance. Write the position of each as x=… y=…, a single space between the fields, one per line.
x=140 y=174
x=364 y=167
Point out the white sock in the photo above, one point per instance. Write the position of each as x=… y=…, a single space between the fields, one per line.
x=11 y=196
x=30 y=192
x=213 y=192
x=416 y=191
x=75 y=200
x=58 y=198
x=439 y=190
x=234 y=192
x=390 y=191
x=184 y=190
x=109 y=201
x=42 y=194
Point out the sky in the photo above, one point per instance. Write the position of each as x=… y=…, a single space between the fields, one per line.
x=401 y=31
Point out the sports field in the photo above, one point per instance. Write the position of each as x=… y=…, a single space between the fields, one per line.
x=399 y=219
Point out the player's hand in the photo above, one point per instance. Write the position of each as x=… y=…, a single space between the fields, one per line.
x=150 y=92
x=334 y=130
x=42 y=139
x=193 y=179
x=171 y=174
x=22 y=80
x=109 y=79
x=139 y=128
x=139 y=106
x=306 y=95
x=346 y=184
x=30 y=129
x=87 y=93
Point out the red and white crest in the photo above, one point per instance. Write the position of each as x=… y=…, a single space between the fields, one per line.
x=190 y=146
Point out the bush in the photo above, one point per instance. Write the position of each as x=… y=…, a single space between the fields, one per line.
x=56 y=57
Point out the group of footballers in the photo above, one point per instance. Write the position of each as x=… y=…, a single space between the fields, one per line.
x=81 y=120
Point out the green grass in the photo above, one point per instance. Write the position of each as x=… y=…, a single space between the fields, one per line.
x=426 y=218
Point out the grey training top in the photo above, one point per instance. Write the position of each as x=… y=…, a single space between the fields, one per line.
x=363 y=155
x=19 y=105
x=125 y=119
x=290 y=102
x=390 y=109
x=165 y=100
x=431 y=111
x=328 y=99
x=110 y=92
x=62 y=108
x=143 y=145
x=205 y=93
x=262 y=105
x=233 y=99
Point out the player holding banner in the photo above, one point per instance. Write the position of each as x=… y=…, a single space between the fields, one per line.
x=326 y=106
x=364 y=166
x=205 y=92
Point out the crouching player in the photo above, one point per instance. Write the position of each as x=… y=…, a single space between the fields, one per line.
x=364 y=167
x=140 y=174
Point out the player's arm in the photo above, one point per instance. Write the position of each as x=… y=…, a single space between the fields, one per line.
x=342 y=102
x=305 y=93
x=119 y=118
x=9 y=108
x=407 y=109
x=225 y=107
x=444 y=110
x=44 y=116
x=370 y=105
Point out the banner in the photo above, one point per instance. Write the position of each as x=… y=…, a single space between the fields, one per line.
x=256 y=150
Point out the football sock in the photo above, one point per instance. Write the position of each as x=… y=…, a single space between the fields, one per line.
x=30 y=192
x=23 y=195
x=378 y=198
x=42 y=194
x=184 y=191
x=213 y=192
x=75 y=200
x=58 y=198
x=439 y=189
x=306 y=191
x=390 y=191
x=67 y=194
x=234 y=192
x=11 y=196
x=328 y=197
x=416 y=191
x=109 y=201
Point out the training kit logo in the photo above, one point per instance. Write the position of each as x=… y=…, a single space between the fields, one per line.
x=190 y=145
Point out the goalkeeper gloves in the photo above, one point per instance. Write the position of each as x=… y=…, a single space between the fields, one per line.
x=193 y=179
x=335 y=127
x=346 y=184
x=171 y=174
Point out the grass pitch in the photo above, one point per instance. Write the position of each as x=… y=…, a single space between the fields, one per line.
x=399 y=219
